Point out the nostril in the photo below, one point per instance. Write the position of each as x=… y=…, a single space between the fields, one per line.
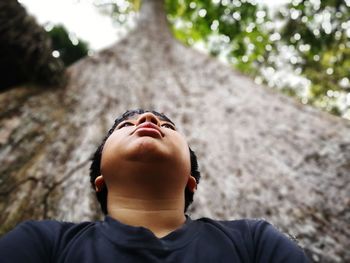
x=141 y=120
x=154 y=120
x=148 y=117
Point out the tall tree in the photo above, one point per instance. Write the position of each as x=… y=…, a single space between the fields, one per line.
x=261 y=154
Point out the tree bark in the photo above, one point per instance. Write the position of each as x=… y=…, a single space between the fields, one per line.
x=261 y=154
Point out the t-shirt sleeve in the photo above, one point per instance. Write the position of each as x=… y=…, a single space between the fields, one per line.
x=274 y=246
x=30 y=242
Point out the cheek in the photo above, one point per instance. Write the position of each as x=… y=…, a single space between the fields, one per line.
x=110 y=154
x=183 y=153
x=187 y=161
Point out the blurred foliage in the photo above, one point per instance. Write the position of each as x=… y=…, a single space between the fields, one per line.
x=235 y=30
x=119 y=10
x=320 y=33
x=310 y=37
x=67 y=46
x=25 y=50
x=31 y=55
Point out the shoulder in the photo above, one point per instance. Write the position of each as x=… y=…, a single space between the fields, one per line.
x=266 y=242
x=259 y=229
x=246 y=226
x=47 y=229
x=37 y=241
x=44 y=231
x=245 y=230
x=44 y=226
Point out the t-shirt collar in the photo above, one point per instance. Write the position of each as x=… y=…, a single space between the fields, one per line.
x=131 y=236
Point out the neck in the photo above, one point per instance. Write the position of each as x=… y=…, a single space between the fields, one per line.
x=160 y=216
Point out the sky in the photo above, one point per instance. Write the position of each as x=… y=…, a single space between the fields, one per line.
x=79 y=17
x=83 y=20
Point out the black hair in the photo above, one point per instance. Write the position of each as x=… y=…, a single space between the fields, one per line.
x=95 y=168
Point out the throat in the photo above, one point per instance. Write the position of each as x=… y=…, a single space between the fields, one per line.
x=160 y=217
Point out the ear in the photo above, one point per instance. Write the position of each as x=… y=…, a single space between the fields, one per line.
x=191 y=184
x=99 y=183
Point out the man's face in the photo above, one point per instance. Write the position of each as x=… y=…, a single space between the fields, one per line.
x=146 y=148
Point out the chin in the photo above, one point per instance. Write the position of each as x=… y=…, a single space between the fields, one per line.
x=147 y=149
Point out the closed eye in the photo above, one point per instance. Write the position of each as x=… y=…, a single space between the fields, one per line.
x=169 y=126
x=125 y=124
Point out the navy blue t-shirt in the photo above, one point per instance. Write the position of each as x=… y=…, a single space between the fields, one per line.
x=201 y=240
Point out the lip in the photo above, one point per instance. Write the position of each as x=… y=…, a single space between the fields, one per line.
x=148 y=129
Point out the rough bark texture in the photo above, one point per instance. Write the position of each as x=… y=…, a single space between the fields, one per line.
x=261 y=154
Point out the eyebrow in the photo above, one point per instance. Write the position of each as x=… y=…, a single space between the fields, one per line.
x=160 y=117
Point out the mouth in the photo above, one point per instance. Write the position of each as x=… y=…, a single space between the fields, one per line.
x=148 y=129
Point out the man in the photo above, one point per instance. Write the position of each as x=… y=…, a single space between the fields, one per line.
x=144 y=175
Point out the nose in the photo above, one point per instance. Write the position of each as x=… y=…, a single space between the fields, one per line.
x=148 y=117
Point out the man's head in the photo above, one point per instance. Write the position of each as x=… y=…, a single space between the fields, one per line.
x=144 y=141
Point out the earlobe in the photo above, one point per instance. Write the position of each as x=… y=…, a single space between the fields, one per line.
x=99 y=183
x=192 y=184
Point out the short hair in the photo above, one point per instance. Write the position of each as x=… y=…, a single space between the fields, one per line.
x=95 y=168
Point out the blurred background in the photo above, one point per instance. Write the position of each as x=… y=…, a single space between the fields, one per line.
x=301 y=48
x=261 y=89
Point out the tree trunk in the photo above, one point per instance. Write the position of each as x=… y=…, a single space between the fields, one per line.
x=260 y=153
